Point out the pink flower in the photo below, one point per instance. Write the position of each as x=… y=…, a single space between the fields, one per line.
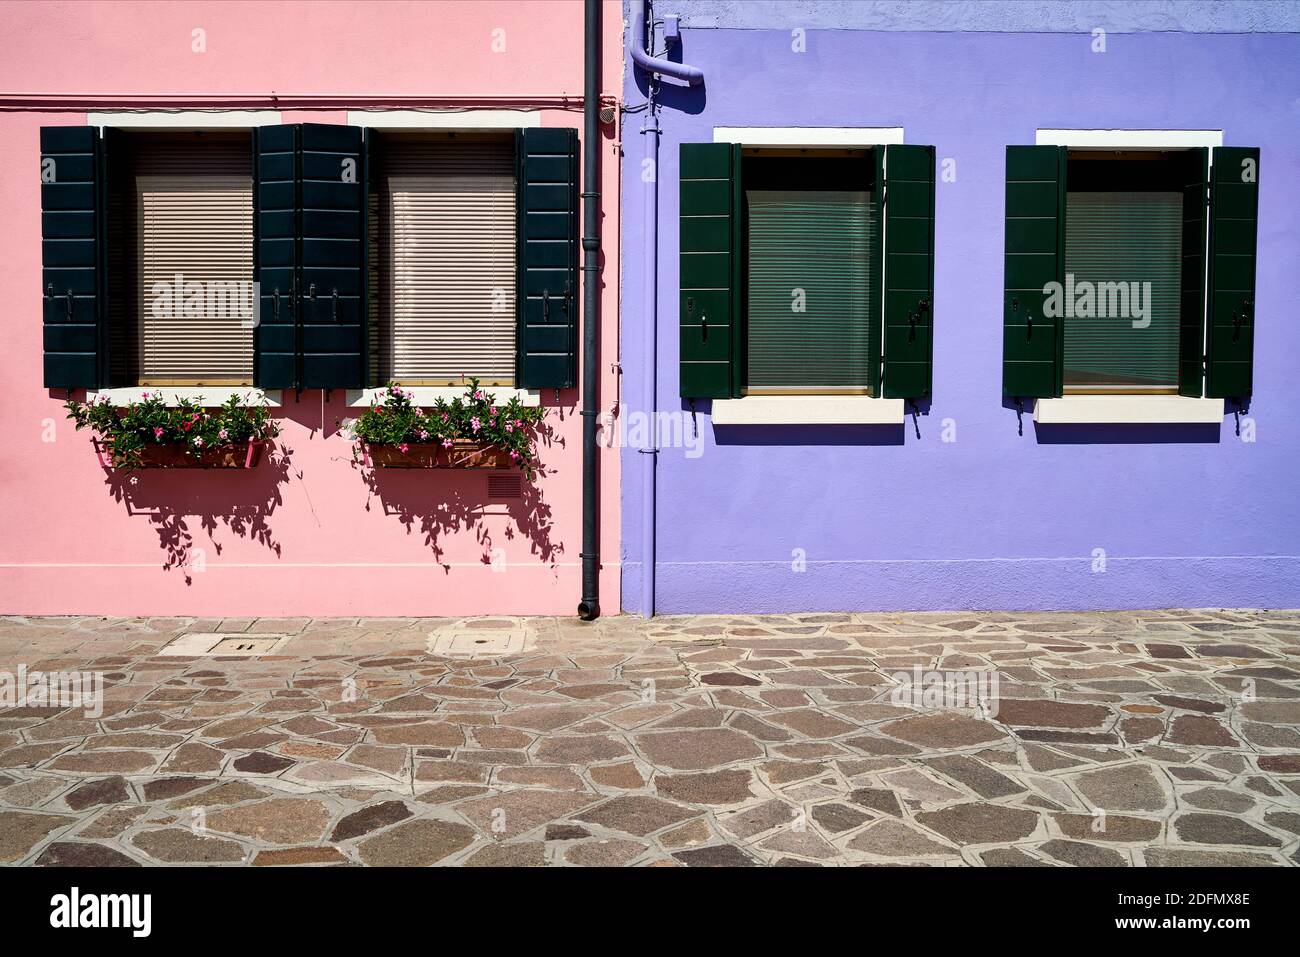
x=404 y=447
x=514 y=456
x=446 y=417
x=198 y=441
x=446 y=443
x=223 y=435
x=157 y=432
x=509 y=428
x=475 y=424
x=186 y=426
x=519 y=423
x=478 y=395
x=492 y=410
x=394 y=390
x=424 y=434
x=144 y=395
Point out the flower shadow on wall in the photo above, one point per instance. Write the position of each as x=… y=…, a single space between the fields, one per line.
x=441 y=502
x=180 y=502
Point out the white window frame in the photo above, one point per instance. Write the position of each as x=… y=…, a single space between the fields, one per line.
x=1130 y=409
x=810 y=409
x=180 y=120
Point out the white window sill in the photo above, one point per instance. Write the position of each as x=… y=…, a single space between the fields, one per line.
x=209 y=396
x=428 y=395
x=1128 y=410
x=808 y=410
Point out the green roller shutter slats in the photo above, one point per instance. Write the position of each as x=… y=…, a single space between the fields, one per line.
x=1191 y=322
x=909 y=270
x=72 y=250
x=1230 y=311
x=310 y=200
x=332 y=287
x=709 y=266
x=548 y=258
x=275 y=256
x=1034 y=256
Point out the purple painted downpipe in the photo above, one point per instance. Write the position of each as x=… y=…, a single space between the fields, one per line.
x=650 y=286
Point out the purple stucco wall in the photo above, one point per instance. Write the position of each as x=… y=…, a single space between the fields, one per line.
x=995 y=519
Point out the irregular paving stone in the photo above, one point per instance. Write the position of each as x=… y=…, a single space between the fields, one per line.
x=259 y=762
x=690 y=834
x=1137 y=730
x=917 y=786
x=194 y=757
x=20 y=831
x=1219 y=799
x=888 y=838
x=812 y=723
x=566 y=832
x=624 y=775
x=1010 y=857
x=1279 y=763
x=762 y=817
x=164 y=789
x=450 y=771
x=1199 y=730
x=1179 y=857
x=1286 y=820
x=175 y=845
x=877 y=799
x=730 y=679
x=980 y=778
x=111 y=823
x=517 y=854
x=1273 y=712
x=946 y=730
x=297 y=856
x=513 y=813
x=804 y=843
x=1053 y=736
x=715 y=855
x=710 y=787
x=122 y=762
x=230 y=792
x=369 y=819
x=1199 y=828
x=1082 y=855
x=1188 y=704
x=1046 y=713
x=783 y=772
x=697 y=750
x=277 y=821
x=94 y=793
x=437 y=734
x=637 y=814
x=1112 y=827
x=580 y=749
x=1130 y=787
x=605 y=853
x=980 y=823
x=83 y=854
x=417 y=843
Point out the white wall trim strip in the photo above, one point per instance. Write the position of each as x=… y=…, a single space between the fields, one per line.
x=1130 y=139
x=184 y=119
x=210 y=396
x=428 y=395
x=1128 y=410
x=807 y=410
x=444 y=119
x=850 y=136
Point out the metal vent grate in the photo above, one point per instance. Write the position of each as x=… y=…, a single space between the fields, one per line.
x=505 y=485
x=214 y=644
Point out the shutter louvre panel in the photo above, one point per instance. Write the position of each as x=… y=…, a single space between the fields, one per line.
x=1230 y=309
x=547 y=296
x=1034 y=257
x=275 y=255
x=332 y=287
x=1191 y=322
x=909 y=271
x=72 y=246
x=708 y=307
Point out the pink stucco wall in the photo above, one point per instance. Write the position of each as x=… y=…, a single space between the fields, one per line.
x=307 y=535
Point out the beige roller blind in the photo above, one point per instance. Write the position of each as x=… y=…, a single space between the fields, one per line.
x=194 y=259
x=447 y=254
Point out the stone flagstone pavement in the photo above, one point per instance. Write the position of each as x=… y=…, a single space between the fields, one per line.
x=680 y=741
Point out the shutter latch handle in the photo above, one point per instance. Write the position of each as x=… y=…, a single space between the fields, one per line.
x=546 y=305
x=275 y=303
x=1239 y=318
x=336 y=305
x=69 y=305
x=1029 y=317
x=311 y=292
x=49 y=290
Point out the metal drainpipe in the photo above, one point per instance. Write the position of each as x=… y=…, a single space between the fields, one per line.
x=589 y=606
x=650 y=288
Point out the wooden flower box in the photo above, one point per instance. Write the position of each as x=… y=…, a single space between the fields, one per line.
x=243 y=455
x=463 y=454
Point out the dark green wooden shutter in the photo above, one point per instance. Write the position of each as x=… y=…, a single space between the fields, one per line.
x=1234 y=213
x=710 y=222
x=909 y=270
x=72 y=249
x=547 y=334
x=275 y=255
x=1034 y=257
x=1191 y=322
x=332 y=285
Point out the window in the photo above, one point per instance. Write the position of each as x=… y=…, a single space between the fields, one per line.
x=444 y=233
x=806 y=271
x=180 y=258
x=809 y=223
x=1129 y=272
x=1123 y=266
